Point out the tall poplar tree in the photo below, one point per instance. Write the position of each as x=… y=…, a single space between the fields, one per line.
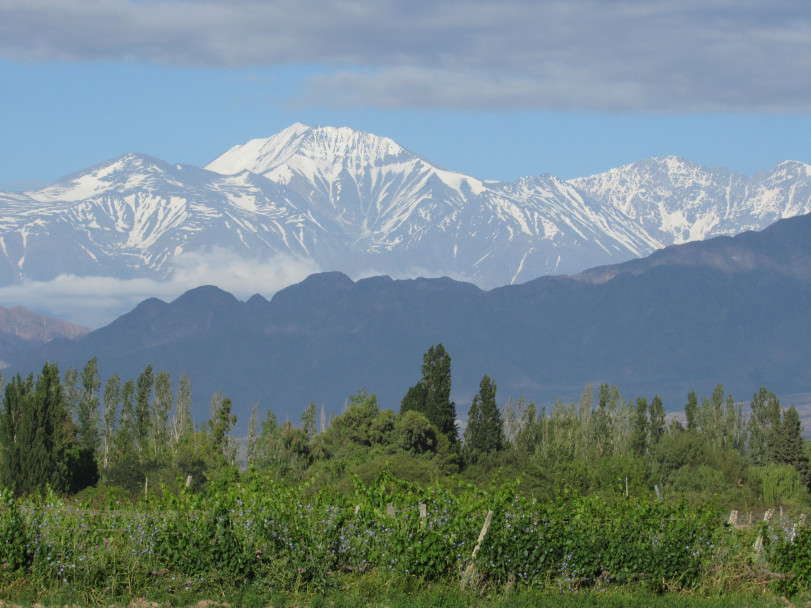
x=639 y=427
x=112 y=402
x=485 y=430
x=656 y=424
x=162 y=403
x=431 y=396
x=143 y=398
x=691 y=411
x=86 y=416
x=182 y=424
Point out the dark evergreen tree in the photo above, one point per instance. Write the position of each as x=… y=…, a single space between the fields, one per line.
x=36 y=434
x=16 y=397
x=789 y=445
x=414 y=399
x=431 y=396
x=485 y=430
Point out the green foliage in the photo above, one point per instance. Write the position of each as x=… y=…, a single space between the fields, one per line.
x=777 y=483
x=485 y=430
x=223 y=448
x=764 y=426
x=355 y=425
x=316 y=509
x=789 y=446
x=789 y=548
x=15 y=536
x=161 y=405
x=691 y=411
x=143 y=398
x=416 y=434
x=639 y=427
x=308 y=421
x=36 y=435
x=431 y=396
x=575 y=542
x=247 y=535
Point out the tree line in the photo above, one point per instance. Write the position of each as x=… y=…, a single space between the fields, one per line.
x=69 y=434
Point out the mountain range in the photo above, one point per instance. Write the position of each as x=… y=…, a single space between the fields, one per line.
x=339 y=199
x=23 y=331
x=729 y=310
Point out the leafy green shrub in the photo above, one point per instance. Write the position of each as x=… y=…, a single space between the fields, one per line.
x=789 y=554
x=15 y=541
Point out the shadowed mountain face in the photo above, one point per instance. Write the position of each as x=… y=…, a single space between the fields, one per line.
x=733 y=311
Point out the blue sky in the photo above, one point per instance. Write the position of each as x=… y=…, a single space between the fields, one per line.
x=494 y=89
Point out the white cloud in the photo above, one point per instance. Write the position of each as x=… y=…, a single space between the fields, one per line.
x=95 y=301
x=629 y=55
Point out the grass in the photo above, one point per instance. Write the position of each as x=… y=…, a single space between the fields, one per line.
x=372 y=592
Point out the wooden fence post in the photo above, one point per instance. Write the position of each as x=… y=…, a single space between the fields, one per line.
x=469 y=577
x=759 y=542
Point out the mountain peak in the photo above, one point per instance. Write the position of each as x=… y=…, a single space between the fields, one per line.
x=131 y=170
x=300 y=146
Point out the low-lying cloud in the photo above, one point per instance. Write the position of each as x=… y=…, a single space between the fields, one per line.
x=95 y=301
x=629 y=55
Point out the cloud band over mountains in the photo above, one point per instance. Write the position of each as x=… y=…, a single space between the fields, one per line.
x=671 y=56
x=94 y=301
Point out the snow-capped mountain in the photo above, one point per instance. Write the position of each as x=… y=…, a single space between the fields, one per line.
x=676 y=201
x=405 y=216
x=132 y=216
x=352 y=201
